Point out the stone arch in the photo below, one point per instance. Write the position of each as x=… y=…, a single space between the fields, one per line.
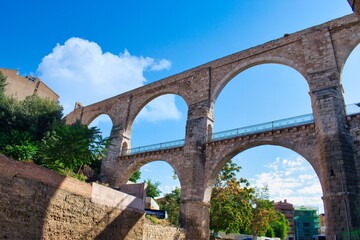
x=140 y=102
x=242 y=66
x=89 y=117
x=95 y=116
x=230 y=153
x=349 y=81
x=138 y=163
x=134 y=135
x=347 y=49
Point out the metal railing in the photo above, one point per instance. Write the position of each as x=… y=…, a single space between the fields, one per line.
x=156 y=147
x=257 y=128
x=264 y=127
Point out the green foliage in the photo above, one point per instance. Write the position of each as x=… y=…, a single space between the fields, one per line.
x=227 y=173
x=34 y=115
x=153 y=219
x=152 y=189
x=18 y=145
x=263 y=212
x=24 y=123
x=230 y=208
x=71 y=147
x=69 y=173
x=136 y=176
x=39 y=115
x=270 y=232
x=33 y=130
x=171 y=203
x=280 y=226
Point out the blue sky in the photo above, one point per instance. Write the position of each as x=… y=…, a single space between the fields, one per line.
x=91 y=50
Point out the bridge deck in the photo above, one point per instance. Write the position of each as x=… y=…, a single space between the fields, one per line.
x=253 y=129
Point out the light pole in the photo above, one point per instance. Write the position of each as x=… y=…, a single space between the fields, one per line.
x=253 y=206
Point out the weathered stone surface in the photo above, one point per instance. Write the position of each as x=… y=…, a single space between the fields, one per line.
x=34 y=204
x=152 y=231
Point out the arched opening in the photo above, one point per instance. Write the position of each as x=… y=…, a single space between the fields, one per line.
x=163 y=192
x=162 y=120
x=290 y=180
x=350 y=81
x=261 y=94
x=103 y=125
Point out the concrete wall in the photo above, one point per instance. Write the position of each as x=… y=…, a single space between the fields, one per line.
x=116 y=199
x=36 y=203
x=21 y=87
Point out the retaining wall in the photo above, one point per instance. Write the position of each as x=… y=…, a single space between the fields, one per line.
x=36 y=203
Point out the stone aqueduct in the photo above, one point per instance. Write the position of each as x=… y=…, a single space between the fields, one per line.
x=331 y=144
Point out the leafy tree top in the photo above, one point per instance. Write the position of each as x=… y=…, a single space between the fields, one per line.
x=152 y=189
x=136 y=176
x=230 y=201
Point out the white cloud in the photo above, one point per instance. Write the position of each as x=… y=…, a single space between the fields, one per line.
x=160 y=65
x=291 y=179
x=160 y=108
x=275 y=165
x=79 y=71
x=314 y=188
x=305 y=177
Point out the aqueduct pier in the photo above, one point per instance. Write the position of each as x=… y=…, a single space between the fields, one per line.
x=331 y=144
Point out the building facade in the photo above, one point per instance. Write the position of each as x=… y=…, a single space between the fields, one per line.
x=307 y=222
x=322 y=224
x=21 y=87
x=288 y=210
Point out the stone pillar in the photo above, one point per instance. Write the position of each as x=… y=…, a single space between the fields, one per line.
x=109 y=166
x=195 y=218
x=336 y=163
x=195 y=209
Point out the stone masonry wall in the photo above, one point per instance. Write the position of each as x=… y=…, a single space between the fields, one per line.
x=36 y=203
x=152 y=231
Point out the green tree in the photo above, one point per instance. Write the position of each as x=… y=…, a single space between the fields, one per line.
x=263 y=213
x=18 y=145
x=136 y=176
x=24 y=123
x=70 y=147
x=171 y=204
x=34 y=115
x=230 y=202
x=38 y=116
x=270 y=232
x=152 y=189
x=280 y=226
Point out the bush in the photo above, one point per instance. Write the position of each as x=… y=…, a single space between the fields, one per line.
x=18 y=145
